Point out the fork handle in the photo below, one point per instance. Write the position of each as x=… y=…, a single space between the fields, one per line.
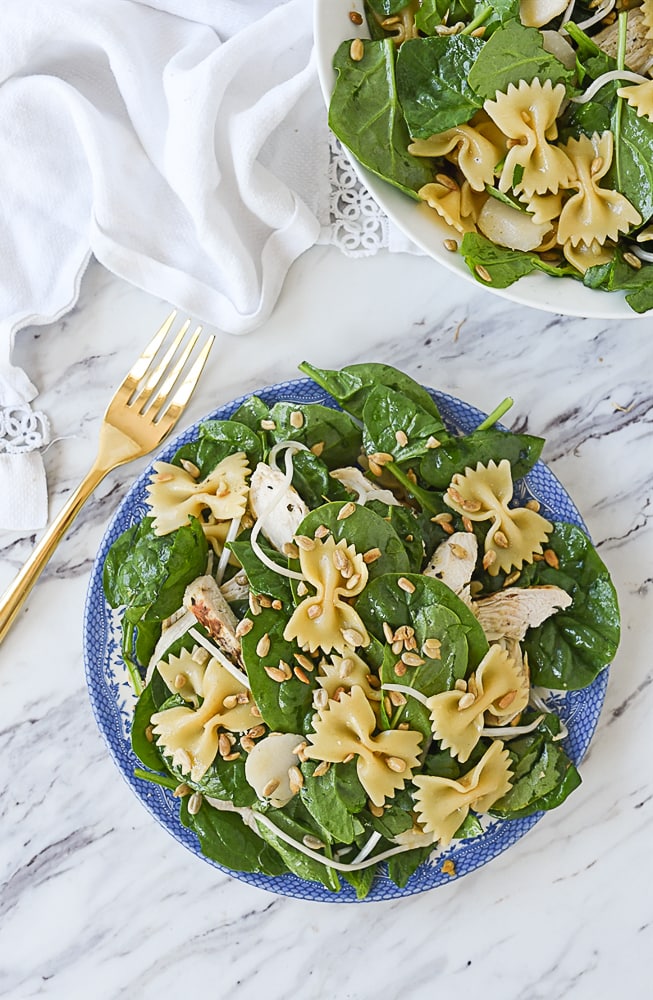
x=15 y=595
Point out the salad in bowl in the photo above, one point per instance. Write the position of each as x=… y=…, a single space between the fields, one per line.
x=523 y=130
x=364 y=655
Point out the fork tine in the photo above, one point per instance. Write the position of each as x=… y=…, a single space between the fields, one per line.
x=142 y=364
x=171 y=376
x=155 y=377
x=178 y=402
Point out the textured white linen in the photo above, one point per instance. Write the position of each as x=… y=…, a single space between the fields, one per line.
x=184 y=144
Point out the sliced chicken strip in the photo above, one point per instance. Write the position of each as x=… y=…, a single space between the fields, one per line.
x=204 y=598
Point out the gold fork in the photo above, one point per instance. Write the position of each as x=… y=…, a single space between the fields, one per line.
x=138 y=418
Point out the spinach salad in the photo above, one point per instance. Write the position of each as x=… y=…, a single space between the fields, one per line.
x=525 y=126
x=341 y=624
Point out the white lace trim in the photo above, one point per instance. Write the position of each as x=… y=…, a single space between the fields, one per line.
x=22 y=429
x=357 y=226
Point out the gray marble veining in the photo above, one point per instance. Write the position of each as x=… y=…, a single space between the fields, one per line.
x=97 y=901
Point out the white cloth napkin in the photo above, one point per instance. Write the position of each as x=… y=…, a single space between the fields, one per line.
x=181 y=142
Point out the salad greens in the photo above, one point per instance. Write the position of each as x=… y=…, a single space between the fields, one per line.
x=528 y=133
x=304 y=665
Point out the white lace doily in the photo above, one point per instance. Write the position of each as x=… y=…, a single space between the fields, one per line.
x=22 y=429
x=356 y=224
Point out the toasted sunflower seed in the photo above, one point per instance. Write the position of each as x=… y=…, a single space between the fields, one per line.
x=195 y=803
x=357 y=50
x=263 y=645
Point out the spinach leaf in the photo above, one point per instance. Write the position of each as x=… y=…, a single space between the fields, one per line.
x=225 y=779
x=387 y=412
x=366 y=116
x=617 y=274
x=146 y=749
x=350 y=386
x=572 y=647
x=455 y=454
x=402 y=867
x=152 y=571
x=347 y=786
x=227 y=840
x=585 y=119
x=312 y=481
x=591 y=60
x=284 y=706
x=632 y=170
x=298 y=863
x=432 y=82
x=262 y=579
x=320 y=796
x=503 y=265
x=413 y=712
x=251 y=412
x=218 y=439
x=365 y=530
x=512 y=54
x=383 y=600
x=408 y=527
x=335 y=430
x=361 y=880
x=543 y=775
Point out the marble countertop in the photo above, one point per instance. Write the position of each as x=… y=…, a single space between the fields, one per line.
x=99 y=901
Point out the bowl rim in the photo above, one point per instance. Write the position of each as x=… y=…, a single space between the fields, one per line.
x=539 y=291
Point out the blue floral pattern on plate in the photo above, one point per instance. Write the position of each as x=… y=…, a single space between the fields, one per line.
x=113 y=700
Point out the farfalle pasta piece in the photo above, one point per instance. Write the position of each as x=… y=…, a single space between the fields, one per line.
x=593 y=214
x=442 y=804
x=384 y=762
x=527 y=115
x=647 y=16
x=345 y=672
x=544 y=207
x=516 y=534
x=190 y=735
x=475 y=154
x=174 y=495
x=184 y=674
x=582 y=257
x=325 y=620
x=451 y=204
x=498 y=686
x=640 y=97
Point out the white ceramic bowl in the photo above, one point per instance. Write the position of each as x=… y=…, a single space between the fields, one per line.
x=566 y=296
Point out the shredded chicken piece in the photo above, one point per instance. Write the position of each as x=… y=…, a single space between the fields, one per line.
x=280 y=524
x=509 y=613
x=639 y=48
x=354 y=481
x=453 y=562
x=204 y=598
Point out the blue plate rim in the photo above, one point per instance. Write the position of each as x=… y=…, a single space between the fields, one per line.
x=109 y=699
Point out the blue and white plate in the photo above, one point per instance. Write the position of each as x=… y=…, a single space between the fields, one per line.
x=113 y=700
